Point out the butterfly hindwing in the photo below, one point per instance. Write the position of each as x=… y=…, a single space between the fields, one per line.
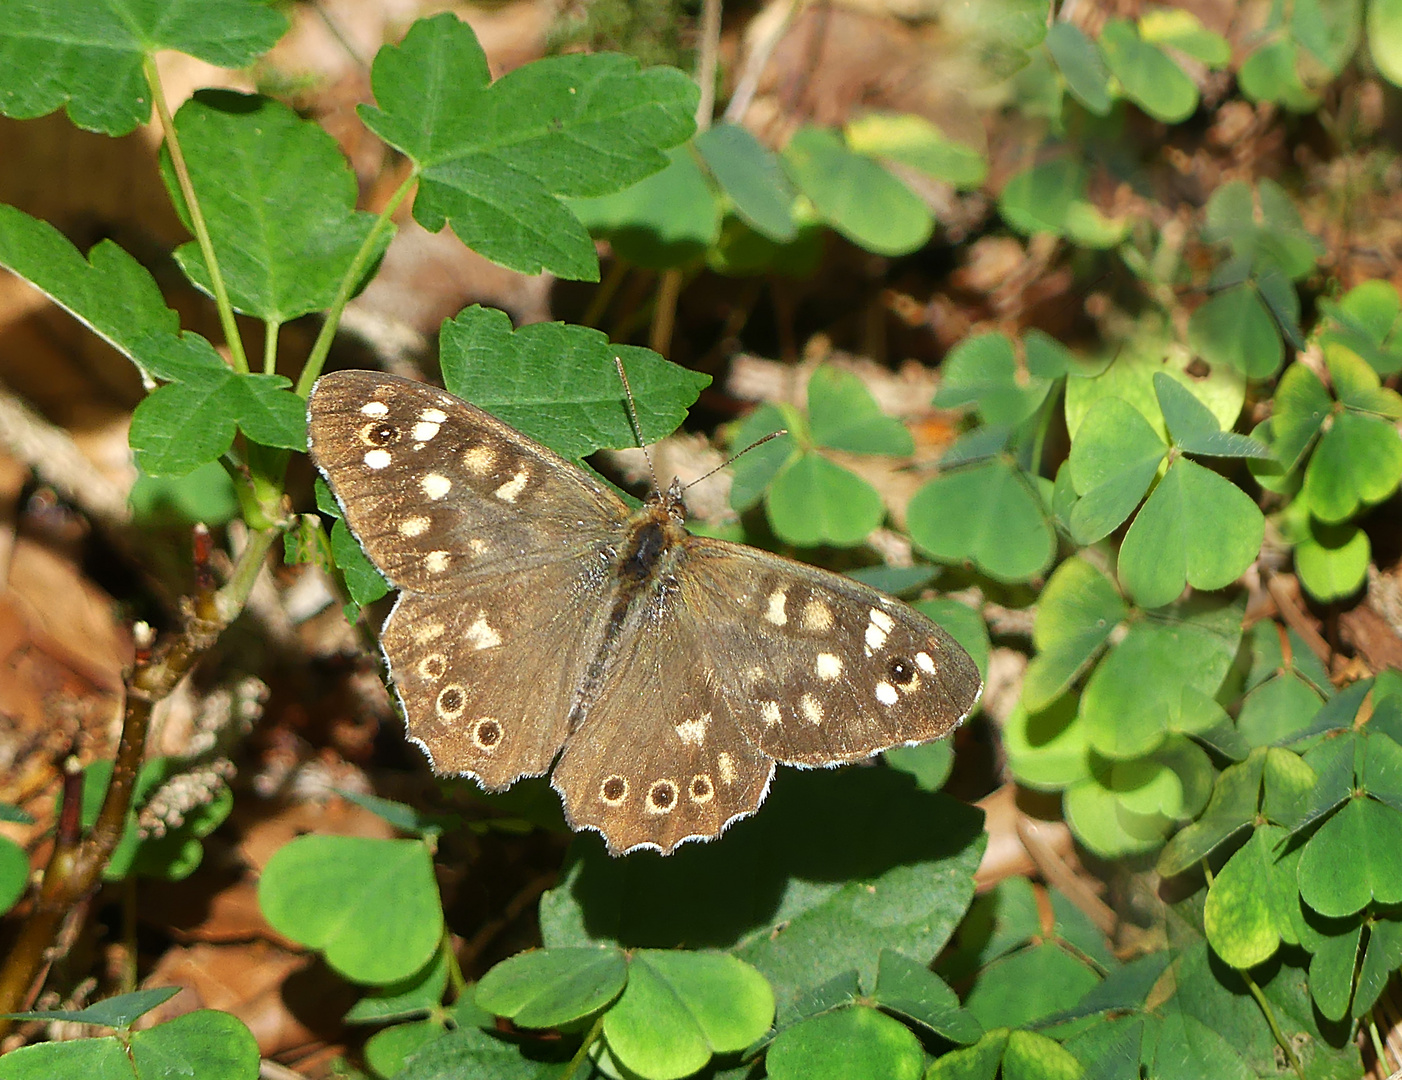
x=438 y=491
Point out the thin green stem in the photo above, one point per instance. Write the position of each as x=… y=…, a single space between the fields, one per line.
x=579 y=1055
x=317 y=359
x=1269 y=1013
x=230 y=599
x=270 y=329
x=1378 y=1047
x=237 y=356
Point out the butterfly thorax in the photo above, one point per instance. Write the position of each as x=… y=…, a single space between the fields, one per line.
x=644 y=570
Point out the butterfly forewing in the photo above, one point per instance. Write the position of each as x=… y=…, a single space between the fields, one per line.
x=438 y=491
x=821 y=669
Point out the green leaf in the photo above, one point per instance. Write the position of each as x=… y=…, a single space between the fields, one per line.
x=1333 y=560
x=364 y=581
x=1148 y=77
x=977 y=1062
x=1020 y=989
x=370 y=906
x=87 y=55
x=679 y=1008
x=1081 y=64
x=1182 y=30
x=842 y=415
x=986 y=514
x=982 y=370
x=664 y=221
x=14 y=873
x=1031 y=1056
x=1358 y=462
x=1357 y=385
x=1113 y=461
x=549 y=987
x=1235 y=328
x=1193 y=427
x=1381 y=958
x=120 y=1011
x=471 y=1052
x=814 y=501
x=1040 y=198
x=1047 y=749
x=855 y=195
x=109 y=292
x=1238 y=917
x=494 y=160
x=912 y=990
x=413 y=996
x=1301 y=407
x=1331 y=970
x=278 y=198
x=1277 y=710
x=851 y=1044
x=812 y=888
x=1385 y=38
x=1137 y=694
x=1078 y=610
x=1352 y=859
x=1232 y=806
x=1197 y=528
x=750 y=174
x=912 y=140
x=558 y=383
x=1188 y=1049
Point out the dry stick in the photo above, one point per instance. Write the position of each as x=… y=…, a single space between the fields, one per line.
x=74 y=871
x=754 y=67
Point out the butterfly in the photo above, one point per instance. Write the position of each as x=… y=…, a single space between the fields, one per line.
x=543 y=625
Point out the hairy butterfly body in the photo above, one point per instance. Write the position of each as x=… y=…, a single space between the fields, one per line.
x=542 y=622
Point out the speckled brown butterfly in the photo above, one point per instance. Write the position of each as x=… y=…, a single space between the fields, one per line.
x=542 y=621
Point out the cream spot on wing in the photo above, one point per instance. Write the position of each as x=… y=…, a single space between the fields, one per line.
x=433 y=666
x=428 y=631
x=769 y=712
x=451 y=701
x=924 y=663
x=776 y=614
x=877 y=630
x=435 y=485
x=376 y=459
x=486 y=733
x=881 y=619
x=433 y=416
x=423 y=431
x=374 y=408
x=726 y=764
x=817 y=617
x=828 y=666
x=513 y=487
x=479 y=459
x=613 y=790
x=811 y=709
x=414 y=526
x=477 y=545
x=480 y=635
x=693 y=732
x=886 y=693
x=436 y=561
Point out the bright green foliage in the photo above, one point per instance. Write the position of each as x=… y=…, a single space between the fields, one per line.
x=1082 y=65
x=809 y=499
x=1051 y=197
x=279 y=200
x=1352 y=859
x=668 y=219
x=1235 y=328
x=1367 y=320
x=1079 y=609
x=87 y=54
x=1385 y=38
x=171 y=855
x=550 y=987
x=912 y=991
x=983 y=370
x=420 y=993
x=559 y=384
x=1029 y=985
x=1147 y=75
x=205 y=1043
x=494 y=160
x=1114 y=459
x=986 y=515
x=751 y=176
x=1243 y=924
x=850 y=1044
x=370 y=906
x=914 y=141
x=14 y=873
x=679 y=1008
x=855 y=195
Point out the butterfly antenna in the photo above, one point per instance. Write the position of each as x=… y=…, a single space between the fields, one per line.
x=733 y=457
x=633 y=419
